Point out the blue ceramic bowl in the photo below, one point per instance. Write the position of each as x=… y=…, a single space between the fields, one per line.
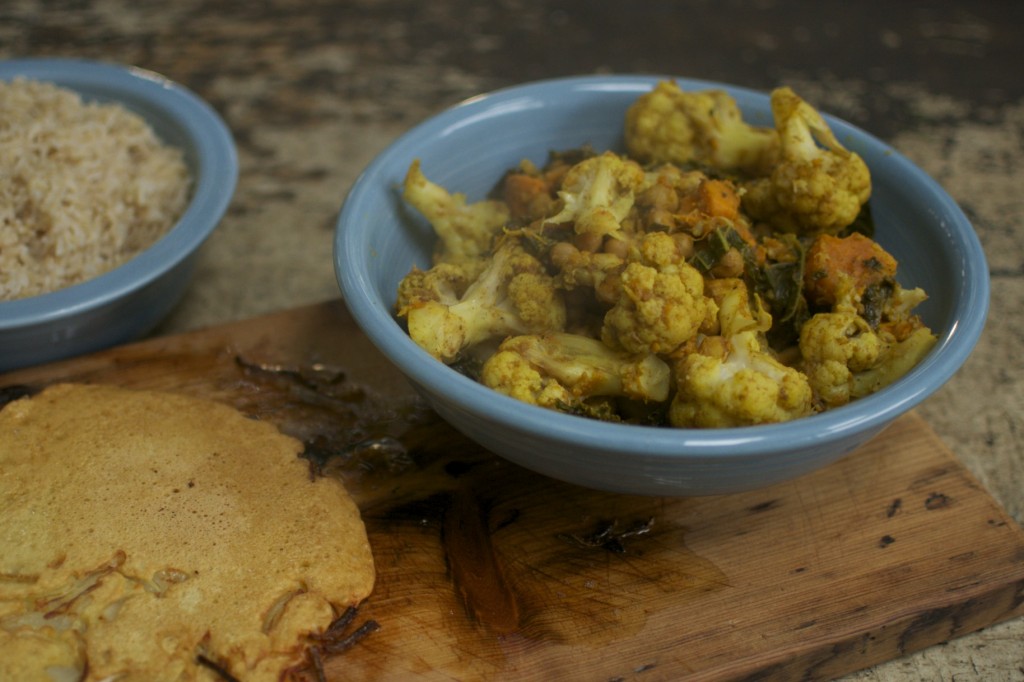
x=130 y=300
x=467 y=147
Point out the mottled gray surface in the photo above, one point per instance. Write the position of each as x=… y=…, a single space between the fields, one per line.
x=313 y=89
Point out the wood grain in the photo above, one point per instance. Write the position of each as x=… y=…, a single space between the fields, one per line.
x=488 y=571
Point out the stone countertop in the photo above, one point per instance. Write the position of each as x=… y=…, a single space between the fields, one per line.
x=313 y=89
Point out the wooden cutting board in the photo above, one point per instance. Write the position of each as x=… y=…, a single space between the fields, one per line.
x=488 y=571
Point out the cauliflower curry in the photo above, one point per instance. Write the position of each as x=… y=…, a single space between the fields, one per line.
x=716 y=274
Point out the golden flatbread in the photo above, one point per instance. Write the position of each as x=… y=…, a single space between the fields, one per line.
x=142 y=530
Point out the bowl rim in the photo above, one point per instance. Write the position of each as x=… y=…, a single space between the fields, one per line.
x=653 y=443
x=213 y=187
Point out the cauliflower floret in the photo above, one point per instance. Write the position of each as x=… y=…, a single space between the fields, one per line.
x=898 y=359
x=836 y=346
x=598 y=193
x=845 y=360
x=562 y=371
x=733 y=379
x=465 y=231
x=704 y=128
x=735 y=308
x=513 y=295
x=444 y=283
x=817 y=185
x=661 y=305
x=511 y=374
x=897 y=318
x=741 y=386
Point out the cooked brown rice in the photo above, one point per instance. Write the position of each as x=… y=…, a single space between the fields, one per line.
x=83 y=187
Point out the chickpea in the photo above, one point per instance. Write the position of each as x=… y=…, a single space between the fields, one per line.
x=659 y=195
x=729 y=265
x=588 y=241
x=562 y=253
x=616 y=247
x=660 y=217
x=715 y=346
x=684 y=244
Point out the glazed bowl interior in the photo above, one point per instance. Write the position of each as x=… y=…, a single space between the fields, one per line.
x=129 y=300
x=468 y=147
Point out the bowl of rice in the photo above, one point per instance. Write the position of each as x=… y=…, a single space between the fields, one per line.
x=112 y=178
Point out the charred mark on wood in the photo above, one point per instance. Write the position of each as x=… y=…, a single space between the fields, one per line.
x=1018 y=598
x=318 y=453
x=764 y=506
x=926 y=621
x=886 y=541
x=422 y=511
x=218 y=668
x=964 y=556
x=8 y=394
x=930 y=477
x=937 y=501
x=458 y=468
x=377 y=453
x=347 y=429
x=476 y=572
x=510 y=518
x=609 y=536
x=894 y=508
x=316 y=377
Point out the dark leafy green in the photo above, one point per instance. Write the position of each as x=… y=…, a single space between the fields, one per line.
x=779 y=284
